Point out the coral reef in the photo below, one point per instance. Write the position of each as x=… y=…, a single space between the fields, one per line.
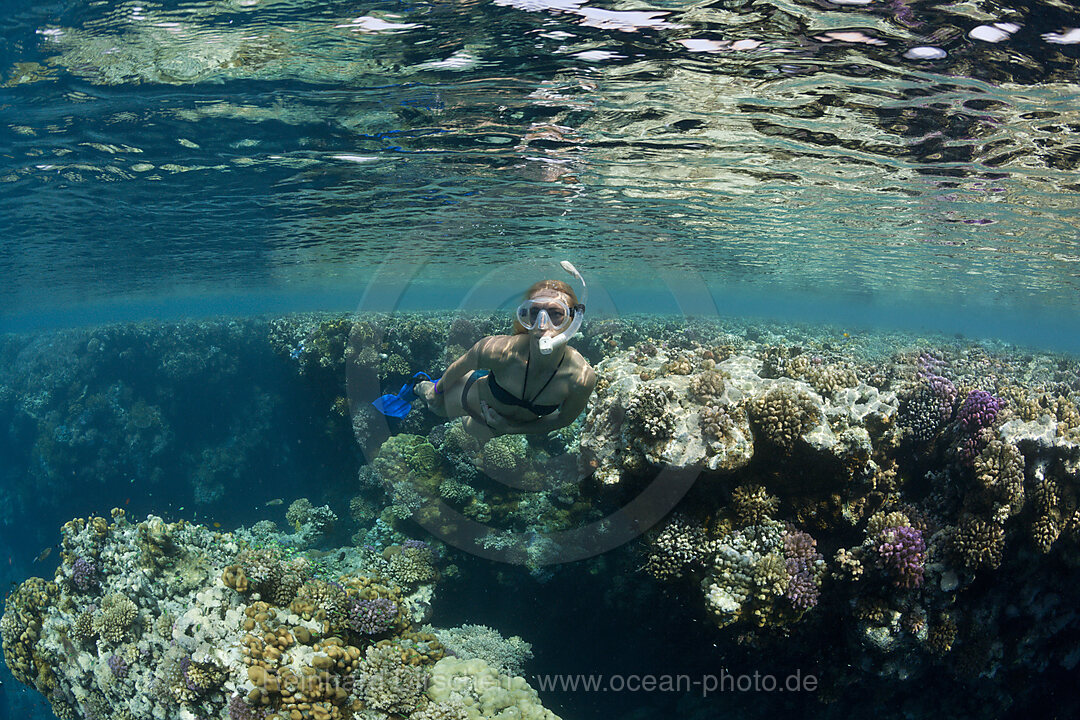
x=906 y=516
x=507 y=655
x=251 y=633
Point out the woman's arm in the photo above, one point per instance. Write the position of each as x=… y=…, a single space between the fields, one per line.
x=463 y=365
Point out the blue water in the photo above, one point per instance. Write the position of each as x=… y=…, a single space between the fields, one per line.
x=790 y=171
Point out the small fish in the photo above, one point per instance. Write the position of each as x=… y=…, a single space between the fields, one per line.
x=275 y=501
x=69 y=646
x=217 y=524
x=43 y=554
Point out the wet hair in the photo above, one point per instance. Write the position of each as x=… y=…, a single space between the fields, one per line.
x=546 y=287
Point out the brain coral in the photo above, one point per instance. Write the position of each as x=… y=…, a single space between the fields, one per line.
x=484 y=692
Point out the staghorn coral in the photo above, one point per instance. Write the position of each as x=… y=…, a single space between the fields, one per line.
x=782 y=415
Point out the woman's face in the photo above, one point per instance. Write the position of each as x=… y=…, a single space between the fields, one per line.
x=555 y=304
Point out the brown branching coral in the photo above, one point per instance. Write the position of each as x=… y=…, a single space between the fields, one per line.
x=682 y=546
x=783 y=415
x=646 y=414
x=999 y=477
x=978 y=543
x=752 y=504
x=707 y=386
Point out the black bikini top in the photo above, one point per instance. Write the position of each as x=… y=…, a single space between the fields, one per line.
x=502 y=395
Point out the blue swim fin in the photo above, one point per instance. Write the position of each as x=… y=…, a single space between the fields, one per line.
x=399 y=405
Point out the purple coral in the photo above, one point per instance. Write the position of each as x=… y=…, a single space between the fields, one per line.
x=240 y=710
x=979 y=410
x=902 y=551
x=84 y=574
x=189 y=681
x=974 y=417
x=372 y=617
x=803 y=563
x=931 y=402
x=118 y=666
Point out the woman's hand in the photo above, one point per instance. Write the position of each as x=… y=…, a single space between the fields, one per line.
x=494 y=419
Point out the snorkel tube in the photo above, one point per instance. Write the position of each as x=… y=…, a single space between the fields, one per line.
x=548 y=344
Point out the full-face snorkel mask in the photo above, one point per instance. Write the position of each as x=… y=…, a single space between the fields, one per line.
x=545 y=311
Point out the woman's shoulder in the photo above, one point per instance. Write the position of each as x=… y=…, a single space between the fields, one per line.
x=497 y=348
x=580 y=366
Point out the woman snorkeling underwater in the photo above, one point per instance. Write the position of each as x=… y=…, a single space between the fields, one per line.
x=528 y=382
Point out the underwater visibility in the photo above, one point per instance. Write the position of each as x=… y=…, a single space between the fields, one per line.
x=539 y=359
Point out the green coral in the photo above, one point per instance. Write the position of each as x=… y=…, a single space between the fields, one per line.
x=298 y=511
x=504 y=455
x=752 y=505
x=384 y=682
x=20 y=628
x=115 y=618
x=409 y=565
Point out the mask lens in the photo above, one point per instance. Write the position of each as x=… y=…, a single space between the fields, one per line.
x=528 y=313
